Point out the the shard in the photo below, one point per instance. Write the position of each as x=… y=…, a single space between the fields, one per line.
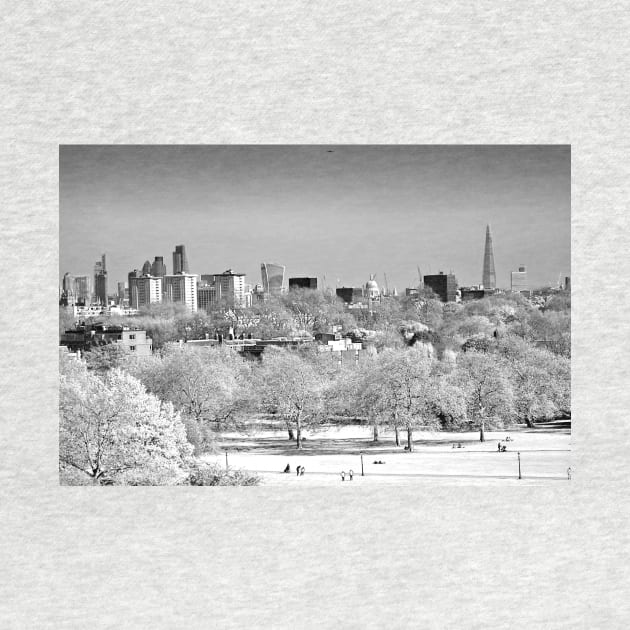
x=489 y=280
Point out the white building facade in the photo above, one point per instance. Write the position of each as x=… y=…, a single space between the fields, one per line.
x=144 y=290
x=181 y=288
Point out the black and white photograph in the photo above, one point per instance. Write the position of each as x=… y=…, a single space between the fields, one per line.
x=315 y=315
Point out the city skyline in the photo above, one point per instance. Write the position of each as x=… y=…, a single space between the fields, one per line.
x=341 y=212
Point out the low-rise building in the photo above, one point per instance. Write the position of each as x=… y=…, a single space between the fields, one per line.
x=84 y=338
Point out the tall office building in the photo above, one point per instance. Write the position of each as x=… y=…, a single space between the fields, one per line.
x=68 y=283
x=180 y=261
x=146 y=268
x=272 y=277
x=518 y=280
x=132 y=287
x=444 y=285
x=66 y=290
x=228 y=287
x=489 y=278
x=181 y=288
x=121 y=293
x=158 y=268
x=144 y=290
x=100 y=281
x=82 y=289
x=206 y=296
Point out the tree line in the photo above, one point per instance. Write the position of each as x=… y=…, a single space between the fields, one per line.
x=310 y=311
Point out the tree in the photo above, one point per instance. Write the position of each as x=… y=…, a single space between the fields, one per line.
x=270 y=318
x=113 y=431
x=313 y=311
x=366 y=394
x=541 y=380
x=484 y=379
x=401 y=390
x=103 y=358
x=552 y=330
x=206 y=385
x=292 y=385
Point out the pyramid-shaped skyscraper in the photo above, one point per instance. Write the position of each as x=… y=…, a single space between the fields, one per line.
x=489 y=280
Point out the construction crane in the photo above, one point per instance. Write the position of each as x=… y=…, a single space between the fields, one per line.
x=386 y=287
x=420 y=276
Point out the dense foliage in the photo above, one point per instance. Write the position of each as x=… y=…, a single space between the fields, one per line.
x=479 y=365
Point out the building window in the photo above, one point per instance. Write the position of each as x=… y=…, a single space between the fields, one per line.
x=132 y=336
x=132 y=348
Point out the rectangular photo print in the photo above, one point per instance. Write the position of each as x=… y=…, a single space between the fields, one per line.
x=314 y=315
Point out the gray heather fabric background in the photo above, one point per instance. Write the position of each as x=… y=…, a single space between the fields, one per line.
x=305 y=72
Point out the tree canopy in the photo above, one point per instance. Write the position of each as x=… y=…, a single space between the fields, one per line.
x=112 y=430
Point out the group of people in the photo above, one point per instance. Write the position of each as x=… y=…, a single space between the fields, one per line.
x=501 y=448
x=299 y=470
x=343 y=475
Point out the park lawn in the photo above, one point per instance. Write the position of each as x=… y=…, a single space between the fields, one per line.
x=545 y=457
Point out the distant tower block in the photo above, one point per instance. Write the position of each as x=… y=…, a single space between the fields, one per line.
x=180 y=261
x=272 y=277
x=489 y=276
x=519 y=280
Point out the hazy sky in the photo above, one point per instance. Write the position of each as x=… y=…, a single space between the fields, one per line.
x=339 y=211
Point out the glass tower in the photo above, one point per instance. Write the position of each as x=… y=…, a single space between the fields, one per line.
x=489 y=280
x=272 y=277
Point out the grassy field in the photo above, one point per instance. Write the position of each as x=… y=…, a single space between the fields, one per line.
x=545 y=457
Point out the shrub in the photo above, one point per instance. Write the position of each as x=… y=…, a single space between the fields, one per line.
x=215 y=475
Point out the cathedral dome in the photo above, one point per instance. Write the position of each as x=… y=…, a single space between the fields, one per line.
x=371 y=288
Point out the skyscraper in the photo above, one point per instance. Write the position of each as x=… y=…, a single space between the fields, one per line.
x=146 y=268
x=489 y=279
x=272 y=277
x=100 y=281
x=519 y=280
x=228 y=287
x=82 y=289
x=121 y=293
x=144 y=290
x=181 y=288
x=180 y=262
x=158 y=268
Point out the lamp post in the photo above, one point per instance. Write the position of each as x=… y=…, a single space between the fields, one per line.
x=362 y=475
x=226 y=460
x=519 y=465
